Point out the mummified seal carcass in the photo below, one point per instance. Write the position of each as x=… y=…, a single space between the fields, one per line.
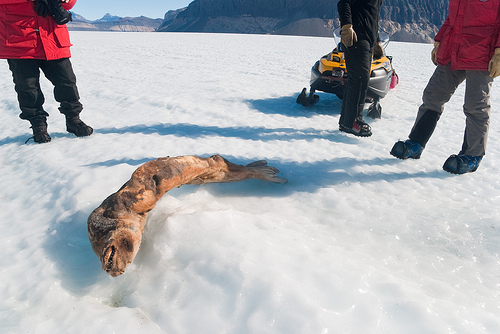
x=116 y=226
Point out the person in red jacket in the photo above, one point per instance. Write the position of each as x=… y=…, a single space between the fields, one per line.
x=34 y=37
x=466 y=48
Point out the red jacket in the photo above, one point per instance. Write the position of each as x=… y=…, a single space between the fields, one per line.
x=470 y=34
x=25 y=35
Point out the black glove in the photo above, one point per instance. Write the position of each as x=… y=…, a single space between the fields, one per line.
x=57 y=11
x=42 y=8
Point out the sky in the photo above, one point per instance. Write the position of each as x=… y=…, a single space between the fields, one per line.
x=95 y=9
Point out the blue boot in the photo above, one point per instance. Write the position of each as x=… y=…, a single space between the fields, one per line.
x=461 y=164
x=407 y=149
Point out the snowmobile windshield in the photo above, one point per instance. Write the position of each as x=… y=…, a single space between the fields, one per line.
x=384 y=38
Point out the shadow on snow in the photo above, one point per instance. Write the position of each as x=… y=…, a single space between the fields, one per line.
x=328 y=104
x=246 y=133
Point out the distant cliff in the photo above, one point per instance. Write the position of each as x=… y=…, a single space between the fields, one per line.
x=115 y=23
x=404 y=20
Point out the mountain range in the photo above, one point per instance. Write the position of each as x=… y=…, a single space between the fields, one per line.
x=114 y=23
x=403 y=20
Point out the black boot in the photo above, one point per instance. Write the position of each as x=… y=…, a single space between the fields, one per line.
x=39 y=127
x=77 y=127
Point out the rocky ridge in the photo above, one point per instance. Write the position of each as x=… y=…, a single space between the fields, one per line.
x=404 y=20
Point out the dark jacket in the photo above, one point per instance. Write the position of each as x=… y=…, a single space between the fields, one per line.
x=363 y=15
x=470 y=34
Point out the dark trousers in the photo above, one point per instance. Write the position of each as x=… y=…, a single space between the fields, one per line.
x=26 y=75
x=358 y=60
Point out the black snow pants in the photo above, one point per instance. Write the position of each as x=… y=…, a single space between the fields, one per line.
x=26 y=75
x=358 y=60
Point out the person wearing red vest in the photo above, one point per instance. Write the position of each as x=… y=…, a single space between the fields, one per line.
x=34 y=37
x=466 y=48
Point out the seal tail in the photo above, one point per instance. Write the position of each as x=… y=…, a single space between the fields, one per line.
x=262 y=171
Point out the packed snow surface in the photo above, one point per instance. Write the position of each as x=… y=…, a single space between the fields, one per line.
x=356 y=242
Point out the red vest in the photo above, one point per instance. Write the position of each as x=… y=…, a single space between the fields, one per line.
x=470 y=34
x=25 y=35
